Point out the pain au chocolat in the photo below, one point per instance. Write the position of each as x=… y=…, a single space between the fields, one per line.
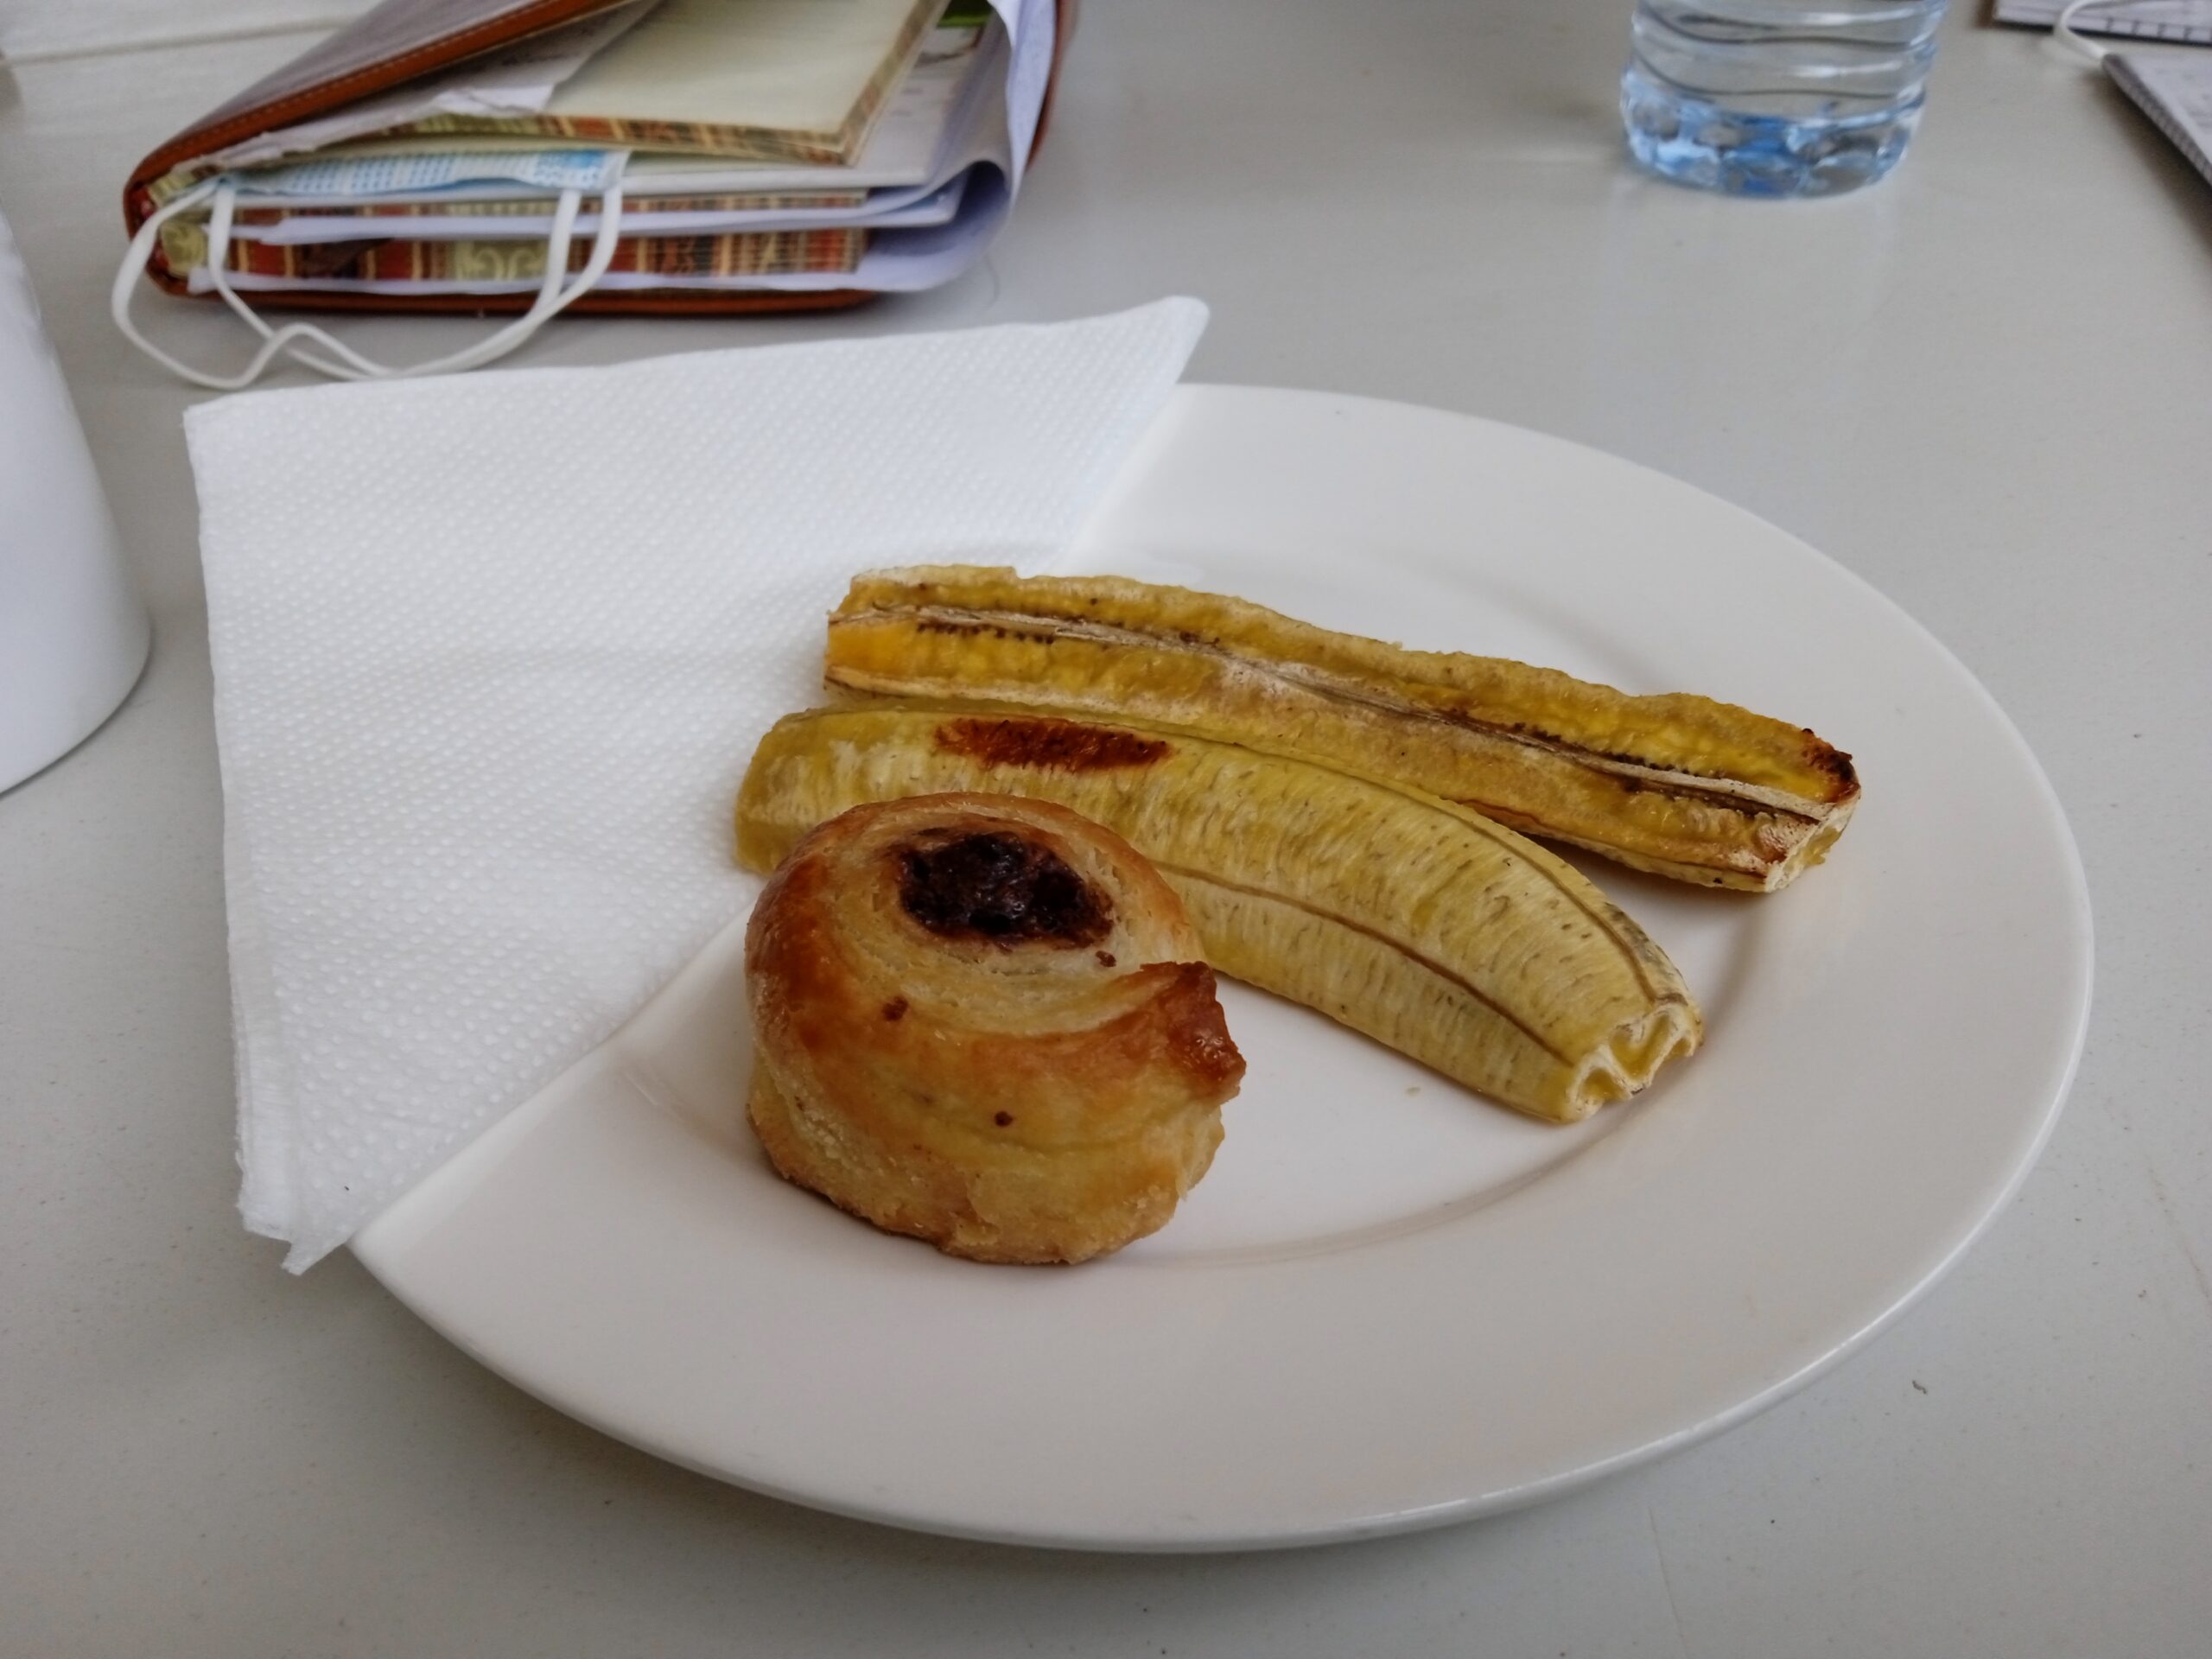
x=986 y=1022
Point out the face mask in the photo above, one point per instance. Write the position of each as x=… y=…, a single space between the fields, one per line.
x=573 y=173
x=363 y=176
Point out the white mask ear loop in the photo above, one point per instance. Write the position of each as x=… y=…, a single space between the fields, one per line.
x=126 y=283
x=2061 y=30
x=552 y=296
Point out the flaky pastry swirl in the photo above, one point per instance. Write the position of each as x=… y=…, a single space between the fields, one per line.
x=987 y=1022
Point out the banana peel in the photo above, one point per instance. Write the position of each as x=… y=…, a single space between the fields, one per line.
x=1409 y=918
x=1678 y=785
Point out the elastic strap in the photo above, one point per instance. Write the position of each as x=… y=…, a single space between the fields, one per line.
x=553 y=296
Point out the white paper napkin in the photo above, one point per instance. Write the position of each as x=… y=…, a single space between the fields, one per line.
x=491 y=654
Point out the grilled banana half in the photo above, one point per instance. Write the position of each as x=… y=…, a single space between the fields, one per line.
x=1412 y=919
x=1678 y=785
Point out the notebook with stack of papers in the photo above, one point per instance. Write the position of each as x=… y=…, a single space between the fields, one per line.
x=757 y=153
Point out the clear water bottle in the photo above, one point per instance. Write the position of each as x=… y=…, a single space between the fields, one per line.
x=1777 y=98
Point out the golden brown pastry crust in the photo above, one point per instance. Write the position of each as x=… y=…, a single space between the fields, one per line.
x=985 y=1022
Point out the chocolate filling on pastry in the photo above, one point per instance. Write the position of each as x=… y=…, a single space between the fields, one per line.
x=1000 y=886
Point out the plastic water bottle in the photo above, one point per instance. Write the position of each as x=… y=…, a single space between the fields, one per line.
x=1777 y=98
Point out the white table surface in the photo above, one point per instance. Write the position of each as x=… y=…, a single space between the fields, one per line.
x=1984 y=385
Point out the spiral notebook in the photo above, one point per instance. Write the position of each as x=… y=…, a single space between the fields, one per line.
x=2175 y=90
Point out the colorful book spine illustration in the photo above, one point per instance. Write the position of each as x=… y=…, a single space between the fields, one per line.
x=634 y=208
x=760 y=253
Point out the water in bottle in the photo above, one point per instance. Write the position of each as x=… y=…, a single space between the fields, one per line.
x=1777 y=98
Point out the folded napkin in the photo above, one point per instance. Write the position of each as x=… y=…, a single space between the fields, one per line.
x=491 y=654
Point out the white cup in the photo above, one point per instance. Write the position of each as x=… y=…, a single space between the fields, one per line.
x=73 y=634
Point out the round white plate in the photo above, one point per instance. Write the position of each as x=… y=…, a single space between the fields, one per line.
x=1391 y=1305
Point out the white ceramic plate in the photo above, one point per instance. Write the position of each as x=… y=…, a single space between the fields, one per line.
x=1391 y=1305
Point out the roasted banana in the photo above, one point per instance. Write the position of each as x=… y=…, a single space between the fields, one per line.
x=1678 y=784
x=1414 y=920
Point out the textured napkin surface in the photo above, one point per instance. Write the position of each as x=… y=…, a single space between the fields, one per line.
x=491 y=654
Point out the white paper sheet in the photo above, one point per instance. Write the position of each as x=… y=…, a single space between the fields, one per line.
x=915 y=208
